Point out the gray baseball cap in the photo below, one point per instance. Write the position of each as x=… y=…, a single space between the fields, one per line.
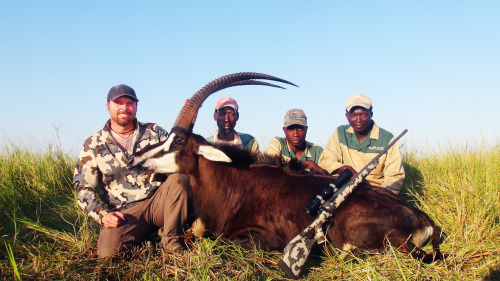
x=122 y=91
x=295 y=117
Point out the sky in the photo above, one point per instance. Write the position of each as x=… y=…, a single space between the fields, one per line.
x=432 y=67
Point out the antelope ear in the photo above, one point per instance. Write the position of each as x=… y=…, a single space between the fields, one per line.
x=213 y=154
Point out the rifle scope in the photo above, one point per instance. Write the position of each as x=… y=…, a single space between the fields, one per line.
x=313 y=206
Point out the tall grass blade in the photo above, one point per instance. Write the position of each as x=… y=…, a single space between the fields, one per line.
x=12 y=260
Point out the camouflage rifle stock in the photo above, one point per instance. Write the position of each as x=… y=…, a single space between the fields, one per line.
x=297 y=251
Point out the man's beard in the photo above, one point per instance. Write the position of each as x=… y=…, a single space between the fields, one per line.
x=124 y=121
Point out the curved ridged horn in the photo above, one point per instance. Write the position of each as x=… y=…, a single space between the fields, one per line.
x=190 y=108
x=241 y=83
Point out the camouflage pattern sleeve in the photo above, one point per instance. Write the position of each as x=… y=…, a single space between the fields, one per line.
x=163 y=134
x=86 y=181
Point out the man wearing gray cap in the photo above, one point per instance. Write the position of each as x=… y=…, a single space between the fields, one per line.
x=294 y=145
x=353 y=146
x=130 y=204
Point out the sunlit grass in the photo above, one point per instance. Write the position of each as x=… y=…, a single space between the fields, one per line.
x=47 y=236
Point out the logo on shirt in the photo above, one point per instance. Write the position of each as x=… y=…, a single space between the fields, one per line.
x=378 y=148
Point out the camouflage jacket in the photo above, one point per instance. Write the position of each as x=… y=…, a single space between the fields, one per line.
x=102 y=180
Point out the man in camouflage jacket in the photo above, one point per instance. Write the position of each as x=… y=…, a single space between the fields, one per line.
x=129 y=203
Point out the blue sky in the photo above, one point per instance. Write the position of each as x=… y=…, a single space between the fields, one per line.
x=432 y=67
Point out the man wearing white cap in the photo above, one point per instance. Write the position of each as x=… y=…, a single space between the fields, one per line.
x=353 y=146
x=294 y=144
x=226 y=114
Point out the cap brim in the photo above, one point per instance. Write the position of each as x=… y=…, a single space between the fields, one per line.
x=125 y=95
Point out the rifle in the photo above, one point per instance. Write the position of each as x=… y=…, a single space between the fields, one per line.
x=298 y=249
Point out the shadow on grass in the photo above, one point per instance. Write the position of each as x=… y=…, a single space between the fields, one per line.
x=413 y=183
x=494 y=274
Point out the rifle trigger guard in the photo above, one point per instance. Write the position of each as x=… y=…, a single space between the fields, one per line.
x=319 y=235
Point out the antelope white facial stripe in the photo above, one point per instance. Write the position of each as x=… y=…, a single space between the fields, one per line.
x=151 y=153
x=164 y=164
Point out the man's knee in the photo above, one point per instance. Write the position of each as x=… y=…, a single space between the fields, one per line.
x=179 y=180
x=109 y=243
x=113 y=241
x=177 y=186
x=106 y=250
x=103 y=251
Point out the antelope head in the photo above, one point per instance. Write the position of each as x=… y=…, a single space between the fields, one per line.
x=165 y=157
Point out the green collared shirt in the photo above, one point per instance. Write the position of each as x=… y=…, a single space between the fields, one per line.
x=245 y=140
x=279 y=146
x=344 y=148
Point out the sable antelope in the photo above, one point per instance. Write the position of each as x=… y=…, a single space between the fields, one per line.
x=257 y=203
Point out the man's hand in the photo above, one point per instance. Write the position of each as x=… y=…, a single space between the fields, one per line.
x=313 y=167
x=112 y=220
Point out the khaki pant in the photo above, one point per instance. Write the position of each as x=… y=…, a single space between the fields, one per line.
x=168 y=211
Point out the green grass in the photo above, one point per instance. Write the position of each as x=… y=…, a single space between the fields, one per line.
x=47 y=236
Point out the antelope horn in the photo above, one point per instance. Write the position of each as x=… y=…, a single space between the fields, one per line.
x=191 y=107
x=244 y=82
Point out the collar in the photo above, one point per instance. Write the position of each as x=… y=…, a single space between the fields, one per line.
x=236 y=140
x=106 y=131
x=307 y=153
x=374 y=133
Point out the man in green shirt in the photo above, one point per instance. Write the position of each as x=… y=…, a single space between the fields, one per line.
x=226 y=114
x=294 y=144
x=355 y=145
